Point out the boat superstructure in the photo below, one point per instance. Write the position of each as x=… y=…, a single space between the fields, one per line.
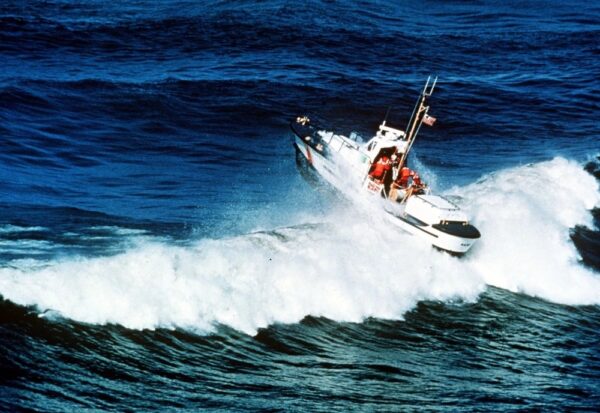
x=379 y=167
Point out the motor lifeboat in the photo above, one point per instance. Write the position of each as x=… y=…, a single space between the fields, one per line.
x=378 y=167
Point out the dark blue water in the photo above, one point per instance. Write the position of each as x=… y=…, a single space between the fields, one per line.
x=161 y=250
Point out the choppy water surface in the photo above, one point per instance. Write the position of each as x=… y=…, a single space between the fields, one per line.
x=161 y=250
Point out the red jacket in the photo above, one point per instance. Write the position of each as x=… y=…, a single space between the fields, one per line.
x=381 y=166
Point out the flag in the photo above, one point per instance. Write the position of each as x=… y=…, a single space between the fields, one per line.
x=428 y=120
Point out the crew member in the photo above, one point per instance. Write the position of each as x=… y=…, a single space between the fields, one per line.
x=388 y=177
x=405 y=174
x=418 y=185
x=417 y=180
x=382 y=166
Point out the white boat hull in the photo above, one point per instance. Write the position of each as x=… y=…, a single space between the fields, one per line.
x=397 y=216
x=378 y=167
x=451 y=243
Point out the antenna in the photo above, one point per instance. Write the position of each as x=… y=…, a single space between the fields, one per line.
x=419 y=111
x=387 y=114
x=430 y=91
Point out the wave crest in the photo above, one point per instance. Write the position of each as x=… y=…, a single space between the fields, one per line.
x=347 y=269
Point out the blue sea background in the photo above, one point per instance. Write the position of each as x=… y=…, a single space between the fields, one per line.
x=162 y=250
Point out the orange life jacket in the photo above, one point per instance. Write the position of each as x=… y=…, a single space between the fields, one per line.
x=404 y=176
x=417 y=180
x=382 y=165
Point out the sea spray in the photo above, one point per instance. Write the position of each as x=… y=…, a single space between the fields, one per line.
x=525 y=214
x=345 y=271
x=350 y=267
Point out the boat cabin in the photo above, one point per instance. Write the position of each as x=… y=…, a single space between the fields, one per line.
x=387 y=141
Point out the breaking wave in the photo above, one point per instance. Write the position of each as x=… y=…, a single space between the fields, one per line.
x=340 y=271
x=525 y=215
x=347 y=268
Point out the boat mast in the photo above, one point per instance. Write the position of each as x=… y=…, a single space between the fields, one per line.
x=416 y=119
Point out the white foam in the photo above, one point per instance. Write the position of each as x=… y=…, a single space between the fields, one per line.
x=8 y=228
x=114 y=230
x=525 y=214
x=347 y=269
x=28 y=246
x=340 y=271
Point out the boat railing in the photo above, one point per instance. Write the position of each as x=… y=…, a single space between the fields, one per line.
x=454 y=206
x=390 y=132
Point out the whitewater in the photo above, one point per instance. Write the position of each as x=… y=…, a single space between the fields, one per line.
x=345 y=266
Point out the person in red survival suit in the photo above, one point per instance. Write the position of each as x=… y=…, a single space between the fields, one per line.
x=404 y=176
x=382 y=166
x=417 y=180
x=418 y=186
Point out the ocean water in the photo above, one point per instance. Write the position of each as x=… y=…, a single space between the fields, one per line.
x=161 y=249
